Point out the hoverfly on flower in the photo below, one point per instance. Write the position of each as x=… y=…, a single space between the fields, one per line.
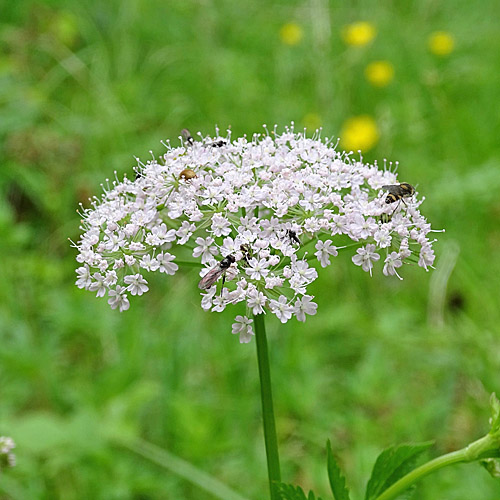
x=216 y=272
x=186 y=135
x=396 y=192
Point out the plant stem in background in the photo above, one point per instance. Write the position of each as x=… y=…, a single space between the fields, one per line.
x=273 y=461
x=180 y=467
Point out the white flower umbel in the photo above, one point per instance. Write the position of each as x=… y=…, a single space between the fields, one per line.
x=251 y=211
x=7 y=458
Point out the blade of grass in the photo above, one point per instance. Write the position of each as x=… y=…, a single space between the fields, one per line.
x=181 y=468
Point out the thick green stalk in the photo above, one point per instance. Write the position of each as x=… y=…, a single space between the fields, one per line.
x=273 y=461
x=468 y=454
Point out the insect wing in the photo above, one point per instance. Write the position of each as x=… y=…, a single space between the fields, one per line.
x=392 y=188
x=186 y=135
x=407 y=189
x=211 y=277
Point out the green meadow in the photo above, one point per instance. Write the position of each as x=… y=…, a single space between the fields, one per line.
x=161 y=401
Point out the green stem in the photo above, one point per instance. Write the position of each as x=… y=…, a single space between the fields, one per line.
x=468 y=454
x=273 y=461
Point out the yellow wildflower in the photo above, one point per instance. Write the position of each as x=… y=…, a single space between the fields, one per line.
x=358 y=34
x=359 y=132
x=312 y=121
x=379 y=73
x=291 y=34
x=441 y=43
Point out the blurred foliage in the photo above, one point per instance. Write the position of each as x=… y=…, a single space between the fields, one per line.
x=84 y=86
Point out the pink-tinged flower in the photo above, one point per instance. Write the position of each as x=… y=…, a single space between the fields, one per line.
x=365 y=258
x=392 y=262
x=205 y=249
x=84 y=279
x=220 y=225
x=243 y=327
x=256 y=301
x=427 y=257
x=304 y=306
x=325 y=250
x=118 y=298
x=257 y=269
x=98 y=285
x=185 y=232
x=137 y=285
x=165 y=263
x=281 y=308
x=249 y=217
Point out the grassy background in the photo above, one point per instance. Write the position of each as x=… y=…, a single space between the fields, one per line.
x=84 y=86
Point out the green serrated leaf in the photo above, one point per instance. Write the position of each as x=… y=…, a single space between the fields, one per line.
x=337 y=480
x=290 y=492
x=391 y=465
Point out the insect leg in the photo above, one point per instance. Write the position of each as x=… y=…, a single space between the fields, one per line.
x=223 y=281
x=399 y=201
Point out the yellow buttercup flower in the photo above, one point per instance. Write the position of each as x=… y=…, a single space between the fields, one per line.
x=441 y=43
x=379 y=73
x=291 y=34
x=359 y=132
x=312 y=121
x=359 y=34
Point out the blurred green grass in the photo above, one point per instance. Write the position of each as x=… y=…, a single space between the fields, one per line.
x=83 y=88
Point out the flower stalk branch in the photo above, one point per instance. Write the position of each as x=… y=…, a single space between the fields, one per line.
x=273 y=461
x=472 y=452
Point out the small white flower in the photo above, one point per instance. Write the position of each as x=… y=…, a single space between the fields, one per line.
x=256 y=301
x=392 y=261
x=324 y=251
x=365 y=257
x=98 y=285
x=302 y=270
x=281 y=308
x=185 y=232
x=205 y=249
x=257 y=269
x=304 y=306
x=130 y=260
x=84 y=278
x=220 y=225
x=243 y=327
x=206 y=301
x=426 y=258
x=363 y=228
x=6 y=456
x=383 y=238
x=110 y=279
x=165 y=263
x=137 y=285
x=149 y=263
x=118 y=298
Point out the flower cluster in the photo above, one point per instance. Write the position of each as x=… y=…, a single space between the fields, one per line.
x=255 y=213
x=7 y=458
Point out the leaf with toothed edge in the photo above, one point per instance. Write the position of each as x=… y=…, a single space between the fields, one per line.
x=391 y=465
x=337 y=480
x=290 y=492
